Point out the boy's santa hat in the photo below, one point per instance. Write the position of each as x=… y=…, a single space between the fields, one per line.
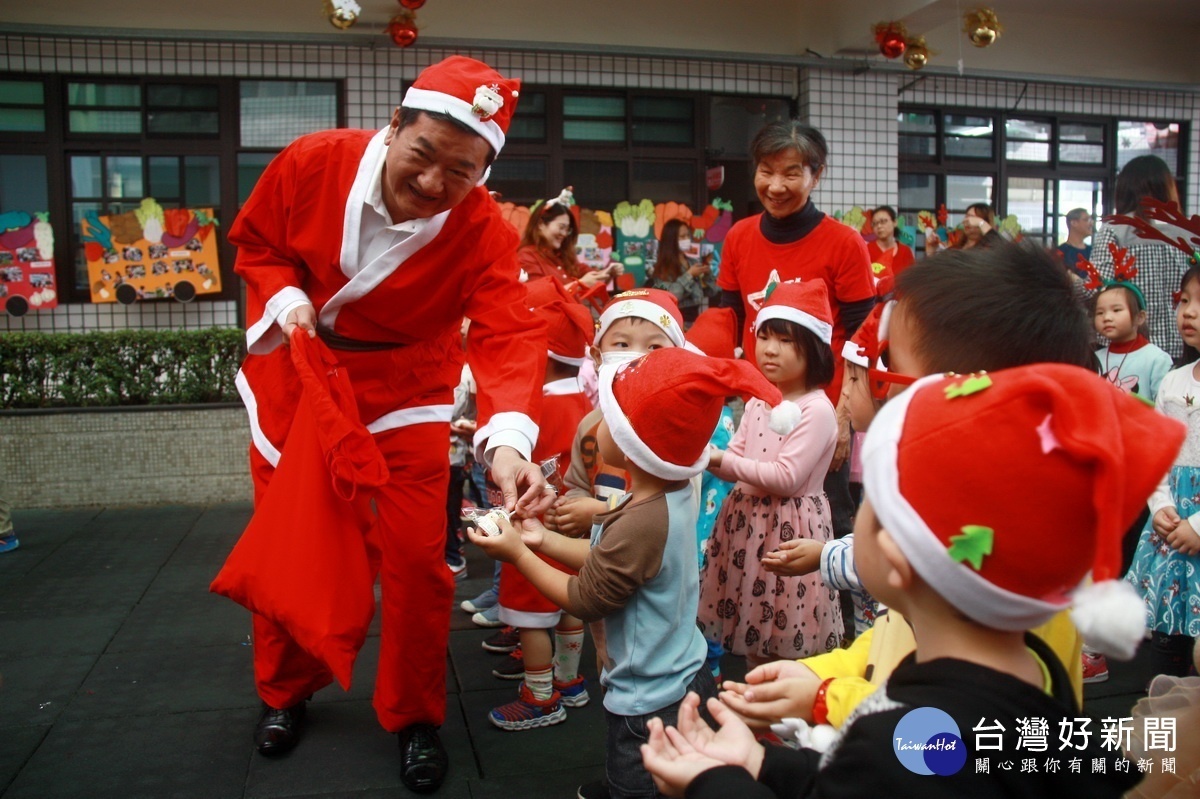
x=663 y=407
x=714 y=333
x=653 y=305
x=863 y=347
x=471 y=92
x=805 y=303
x=569 y=326
x=1005 y=490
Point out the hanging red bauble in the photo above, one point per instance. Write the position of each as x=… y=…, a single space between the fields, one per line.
x=402 y=29
x=890 y=36
x=412 y=5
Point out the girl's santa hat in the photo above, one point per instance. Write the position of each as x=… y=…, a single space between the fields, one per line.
x=805 y=303
x=471 y=92
x=569 y=326
x=714 y=333
x=663 y=407
x=653 y=305
x=1005 y=490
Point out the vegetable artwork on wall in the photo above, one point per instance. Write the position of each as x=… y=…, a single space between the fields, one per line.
x=26 y=263
x=151 y=253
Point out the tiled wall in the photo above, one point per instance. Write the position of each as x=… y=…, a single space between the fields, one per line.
x=857 y=113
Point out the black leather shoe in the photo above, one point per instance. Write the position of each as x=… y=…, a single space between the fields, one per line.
x=423 y=761
x=278 y=730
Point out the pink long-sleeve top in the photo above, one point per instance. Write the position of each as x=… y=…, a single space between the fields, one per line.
x=765 y=463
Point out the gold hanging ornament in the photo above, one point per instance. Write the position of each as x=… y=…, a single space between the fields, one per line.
x=342 y=13
x=916 y=54
x=982 y=27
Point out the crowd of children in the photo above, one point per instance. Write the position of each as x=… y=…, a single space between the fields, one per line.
x=1000 y=475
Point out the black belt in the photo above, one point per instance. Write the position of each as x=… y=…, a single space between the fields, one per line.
x=337 y=341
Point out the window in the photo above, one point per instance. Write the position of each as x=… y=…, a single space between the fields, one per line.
x=589 y=118
x=918 y=134
x=182 y=109
x=23 y=184
x=664 y=120
x=1081 y=143
x=1160 y=139
x=529 y=122
x=274 y=112
x=664 y=181
x=1027 y=139
x=734 y=121
x=22 y=106
x=968 y=136
x=520 y=180
x=112 y=108
x=600 y=184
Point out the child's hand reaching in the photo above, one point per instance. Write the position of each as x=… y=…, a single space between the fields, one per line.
x=507 y=546
x=1165 y=521
x=1184 y=538
x=572 y=516
x=715 y=457
x=532 y=534
x=676 y=756
x=794 y=558
x=782 y=689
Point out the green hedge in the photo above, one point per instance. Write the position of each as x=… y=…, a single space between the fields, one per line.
x=122 y=367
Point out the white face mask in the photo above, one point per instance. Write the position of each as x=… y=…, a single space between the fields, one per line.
x=617 y=357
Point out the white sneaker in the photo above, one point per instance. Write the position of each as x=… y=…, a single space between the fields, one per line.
x=488 y=618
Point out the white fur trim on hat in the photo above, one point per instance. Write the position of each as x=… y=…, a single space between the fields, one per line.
x=642 y=309
x=627 y=439
x=785 y=417
x=853 y=353
x=885 y=320
x=554 y=356
x=963 y=588
x=439 y=102
x=823 y=329
x=1111 y=617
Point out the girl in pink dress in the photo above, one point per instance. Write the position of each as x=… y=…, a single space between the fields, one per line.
x=744 y=606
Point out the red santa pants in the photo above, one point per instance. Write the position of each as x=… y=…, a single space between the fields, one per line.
x=418 y=589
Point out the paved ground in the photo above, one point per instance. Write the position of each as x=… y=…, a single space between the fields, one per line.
x=121 y=676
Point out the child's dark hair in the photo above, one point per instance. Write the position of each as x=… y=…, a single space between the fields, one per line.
x=1132 y=301
x=818 y=357
x=993 y=308
x=1190 y=354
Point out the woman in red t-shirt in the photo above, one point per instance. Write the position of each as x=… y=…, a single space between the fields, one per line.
x=888 y=256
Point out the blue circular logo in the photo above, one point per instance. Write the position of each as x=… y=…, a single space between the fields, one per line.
x=928 y=741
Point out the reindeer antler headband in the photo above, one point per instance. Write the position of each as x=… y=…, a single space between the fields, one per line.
x=1124 y=271
x=1181 y=232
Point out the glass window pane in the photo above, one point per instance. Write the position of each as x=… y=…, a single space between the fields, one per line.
x=662 y=133
x=275 y=112
x=531 y=103
x=23 y=119
x=924 y=146
x=117 y=94
x=575 y=106
x=1036 y=129
x=187 y=122
x=606 y=182
x=734 y=121
x=105 y=122
x=964 y=190
x=593 y=130
x=664 y=181
x=529 y=129
x=182 y=96
x=86 y=179
x=1027 y=151
x=1072 y=194
x=1081 y=131
x=202 y=177
x=77 y=212
x=1148 y=138
x=1081 y=153
x=1026 y=198
x=23 y=184
x=519 y=180
x=663 y=108
x=164 y=177
x=22 y=92
x=124 y=176
x=918 y=191
x=250 y=167
x=916 y=122
x=959 y=147
x=967 y=125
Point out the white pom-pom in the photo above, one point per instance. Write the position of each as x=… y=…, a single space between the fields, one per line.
x=785 y=417
x=1111 y=617
x=798 y=733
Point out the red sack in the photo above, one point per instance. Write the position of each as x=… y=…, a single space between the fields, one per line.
x=306 y=560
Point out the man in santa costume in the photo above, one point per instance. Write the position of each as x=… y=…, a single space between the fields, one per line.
x=380 y=243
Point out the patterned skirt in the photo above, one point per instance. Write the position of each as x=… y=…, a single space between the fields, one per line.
x=1170 y=581
x=749 y=610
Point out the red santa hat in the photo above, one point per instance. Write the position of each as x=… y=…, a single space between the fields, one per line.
x=1005 y=490
x=714 y=333
x=569 y=326
x=471 y=92
x=663 y=407
x=805 y=303
x=863 y=347
x=653 y=305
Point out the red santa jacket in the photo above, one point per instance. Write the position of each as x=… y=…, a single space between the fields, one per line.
x=298 y=237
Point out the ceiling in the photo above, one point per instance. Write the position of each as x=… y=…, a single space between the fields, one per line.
x=1146 y=40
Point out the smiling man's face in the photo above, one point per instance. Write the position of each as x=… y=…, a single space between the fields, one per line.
x=430 y=167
